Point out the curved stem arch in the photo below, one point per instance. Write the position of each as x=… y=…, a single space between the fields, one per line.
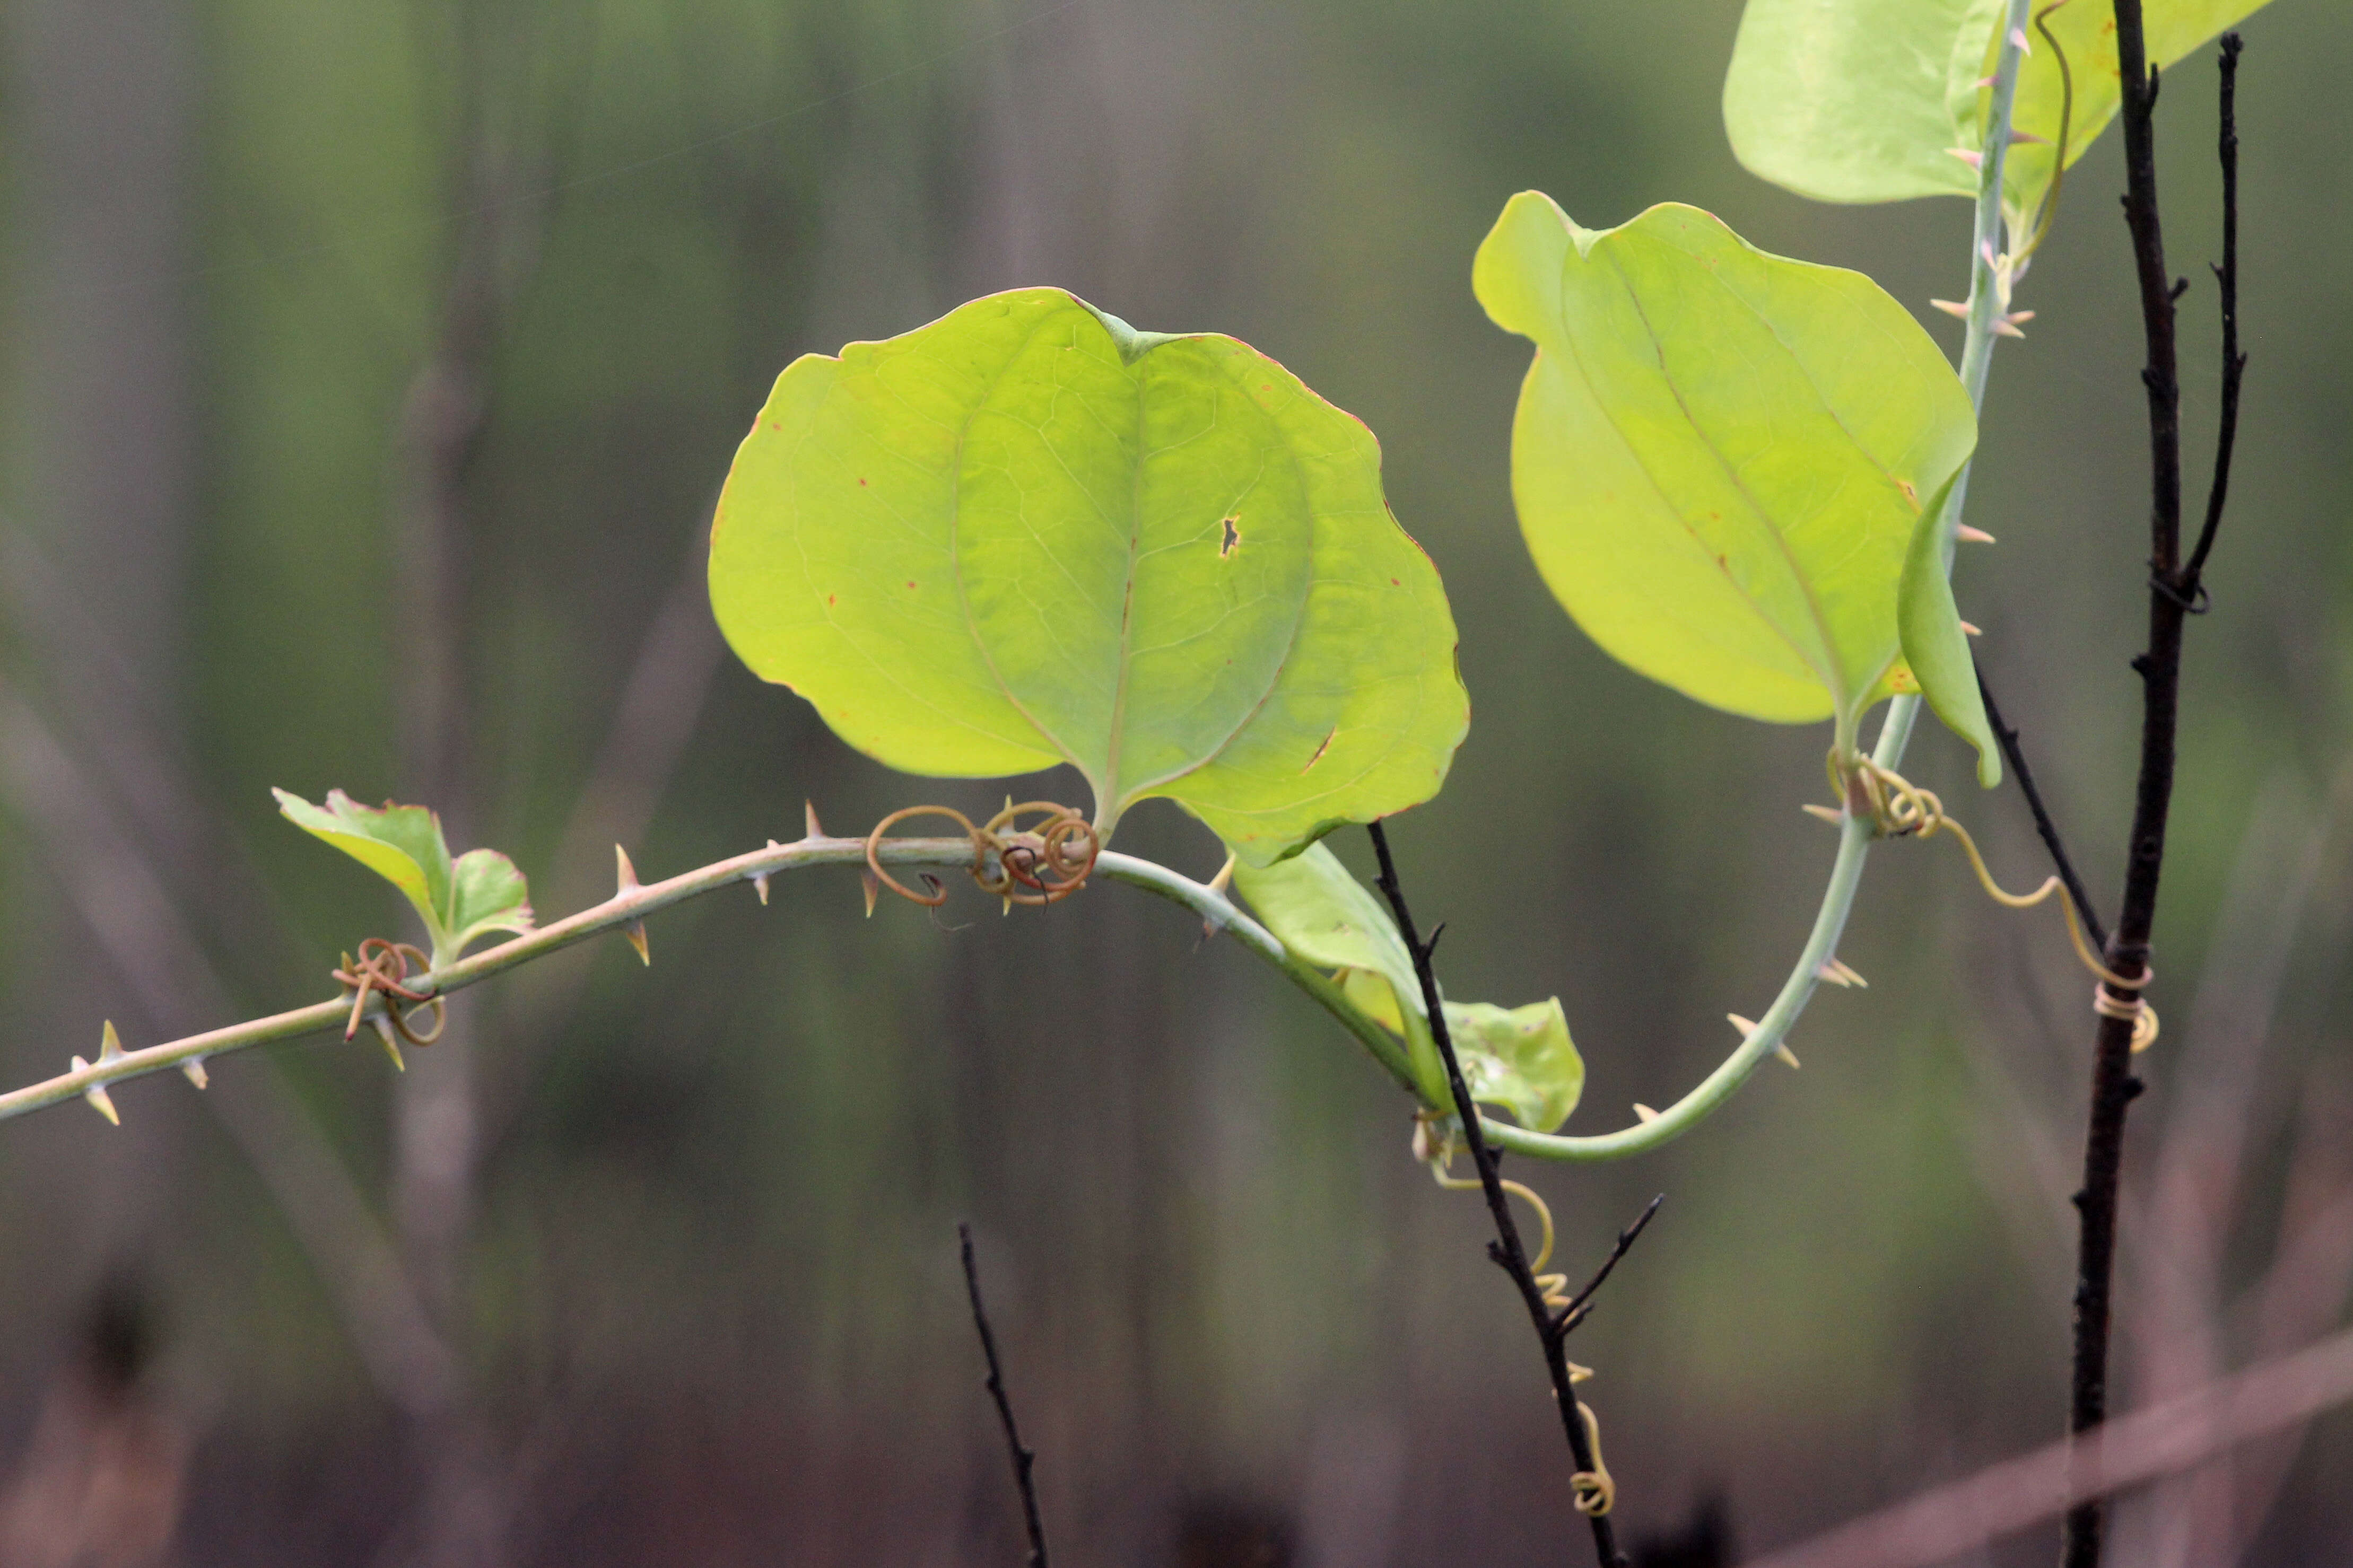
x=1987 y=304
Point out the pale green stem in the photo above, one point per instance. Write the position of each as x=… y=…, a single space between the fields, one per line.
x=1856 y=833
x=633 y=904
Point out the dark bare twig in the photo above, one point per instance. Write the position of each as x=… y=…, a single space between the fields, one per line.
x=2043 y=823
x=1506 y=1250
x=2226 y=274
x=2172 y=595
x=1023 y=1459
x=1581 y=1305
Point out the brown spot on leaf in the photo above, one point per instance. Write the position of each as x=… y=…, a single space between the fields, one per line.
x=1233 y=537
x=1320 y=747
x=1910 y=495
x=862 y=481
x=911 y=582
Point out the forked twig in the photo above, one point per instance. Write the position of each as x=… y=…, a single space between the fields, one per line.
x=1507 y=1251
x=2173 y=596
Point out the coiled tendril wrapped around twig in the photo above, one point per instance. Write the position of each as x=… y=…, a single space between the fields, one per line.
x=1041 y=863
x=383 y=966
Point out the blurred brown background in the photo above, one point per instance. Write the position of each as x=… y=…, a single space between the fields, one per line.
x=367 y=374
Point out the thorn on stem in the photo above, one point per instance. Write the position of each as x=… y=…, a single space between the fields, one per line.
x=1968 y=535
x=1838 y=973
x=1969 y=155
x=1644 y=1112
x=1973 y=631
x=1746 y=1027
x=628 y=873
x=383 y=1031
x=808 y=820
x=194 y=1071
x=636 y=931
x=873 y=892
x=1953 y=308
x=96 y=1093
x=1829 y=814
x=1787 y=1055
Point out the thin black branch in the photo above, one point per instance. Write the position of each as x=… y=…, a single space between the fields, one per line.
x=1580 y=1306
x=2172 y=595
x=2043 y=822
x=1023 y=1459
x=1506 y=1250
x=2234 y=364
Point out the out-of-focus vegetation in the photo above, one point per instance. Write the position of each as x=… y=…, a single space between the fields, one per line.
x=369 y=374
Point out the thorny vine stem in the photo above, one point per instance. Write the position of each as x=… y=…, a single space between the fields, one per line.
x=2173 y=593
x=1024 y=1459
x=1506 y=1250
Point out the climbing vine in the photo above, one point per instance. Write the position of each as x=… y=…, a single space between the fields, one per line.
x=1028 y=535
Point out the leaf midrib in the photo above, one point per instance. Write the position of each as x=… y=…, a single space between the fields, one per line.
x=955 y=542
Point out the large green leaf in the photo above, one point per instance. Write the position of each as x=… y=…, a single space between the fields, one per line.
x=1862 y=100
x=1028 y=535
x=1858 y=100
x=479 y=893
x=1520 y=1059
x=1720 y=455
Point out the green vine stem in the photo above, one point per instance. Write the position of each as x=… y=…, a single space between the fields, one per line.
x=632 y=904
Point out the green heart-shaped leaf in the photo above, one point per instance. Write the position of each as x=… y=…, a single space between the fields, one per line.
x=480 y=893
x=1028 y=534
x=1720 y=455
x=1862 y=100
x=1519 y=1058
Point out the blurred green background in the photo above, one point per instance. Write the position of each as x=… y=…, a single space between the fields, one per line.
x=369 y=372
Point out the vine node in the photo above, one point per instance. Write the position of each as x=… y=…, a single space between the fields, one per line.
x=382 y=968
x=1041 y=863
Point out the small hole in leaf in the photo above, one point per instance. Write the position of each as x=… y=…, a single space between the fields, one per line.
x=1233 y=537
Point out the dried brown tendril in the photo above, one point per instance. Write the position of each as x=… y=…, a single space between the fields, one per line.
x=383 y=966
x=1903 y=808
x=1043 y=863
